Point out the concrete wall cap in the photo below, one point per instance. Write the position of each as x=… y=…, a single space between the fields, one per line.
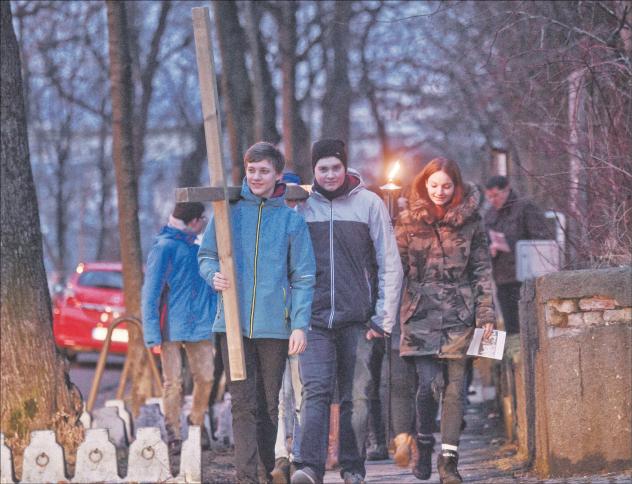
x=613 y=282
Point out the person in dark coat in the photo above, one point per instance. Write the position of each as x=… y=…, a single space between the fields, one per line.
x=447 y=292
x=510 y=219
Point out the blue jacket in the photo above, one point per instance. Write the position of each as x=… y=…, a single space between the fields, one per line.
x=174 y=291
x=274 y=264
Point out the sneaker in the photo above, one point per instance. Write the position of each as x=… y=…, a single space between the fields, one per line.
x=281 y=472
x=305 y=475
x=352 y=478
x=377 y=452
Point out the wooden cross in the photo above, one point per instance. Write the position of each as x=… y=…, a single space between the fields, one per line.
x=219 y=194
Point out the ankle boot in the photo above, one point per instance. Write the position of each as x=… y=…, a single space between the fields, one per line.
x=403 y=447
x=423 y=466
x=447 y=467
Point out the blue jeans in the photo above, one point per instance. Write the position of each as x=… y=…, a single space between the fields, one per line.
x=344 y=355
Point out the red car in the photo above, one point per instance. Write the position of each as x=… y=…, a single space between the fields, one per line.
x=92 y=299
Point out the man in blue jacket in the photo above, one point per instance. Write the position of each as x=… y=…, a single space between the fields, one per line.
x=274 y=264
x=356 y=298
x=178 y=310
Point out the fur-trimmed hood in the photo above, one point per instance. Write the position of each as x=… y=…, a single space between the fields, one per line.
x=455 y=216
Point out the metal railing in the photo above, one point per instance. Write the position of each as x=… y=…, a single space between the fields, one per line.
x=103 y=357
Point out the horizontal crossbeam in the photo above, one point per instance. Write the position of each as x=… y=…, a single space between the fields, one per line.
x=213 y=194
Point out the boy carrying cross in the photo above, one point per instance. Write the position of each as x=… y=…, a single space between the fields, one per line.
x=275 y=273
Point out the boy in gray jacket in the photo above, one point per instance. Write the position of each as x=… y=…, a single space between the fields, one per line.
x=358 y=283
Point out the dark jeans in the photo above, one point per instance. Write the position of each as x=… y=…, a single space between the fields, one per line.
x=508 y=297
x=403 y=390
x=255 y=404
x=343 y=353
x=437 y=376
x=377 y=432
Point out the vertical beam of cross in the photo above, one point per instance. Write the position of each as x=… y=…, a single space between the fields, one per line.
x=212 y=130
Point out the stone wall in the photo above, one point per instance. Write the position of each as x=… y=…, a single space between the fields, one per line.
x=575 y=416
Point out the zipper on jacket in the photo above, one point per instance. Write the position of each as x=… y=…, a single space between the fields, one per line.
x=331 y=265
x=254 y=282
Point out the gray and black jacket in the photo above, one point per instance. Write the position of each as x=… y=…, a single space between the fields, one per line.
x=358 y=269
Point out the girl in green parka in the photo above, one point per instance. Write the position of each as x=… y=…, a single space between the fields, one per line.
x=447 y=292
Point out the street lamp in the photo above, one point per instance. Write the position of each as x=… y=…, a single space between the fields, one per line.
x=391 y=188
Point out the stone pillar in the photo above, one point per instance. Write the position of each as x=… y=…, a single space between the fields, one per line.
x=580 y=357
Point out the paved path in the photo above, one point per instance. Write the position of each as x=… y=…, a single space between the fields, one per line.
x=485 y=457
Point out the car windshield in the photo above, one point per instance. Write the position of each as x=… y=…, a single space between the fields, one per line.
x=102 y=279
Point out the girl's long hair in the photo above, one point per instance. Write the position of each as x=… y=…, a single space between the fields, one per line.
x=450 y=168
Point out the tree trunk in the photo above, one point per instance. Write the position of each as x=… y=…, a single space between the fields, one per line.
x=36 y=392
x=108 y=248
x=235 y=84
x=191 y=165
x=296 y=147
x=263 y=92
x=337 y=99
x=127 y=193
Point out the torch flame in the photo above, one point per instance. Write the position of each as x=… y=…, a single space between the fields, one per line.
x=393 y=171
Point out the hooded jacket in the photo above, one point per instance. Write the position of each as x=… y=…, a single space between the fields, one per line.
x=448 y=286
x=177 y=304
x=358 y=271
x=274 y=264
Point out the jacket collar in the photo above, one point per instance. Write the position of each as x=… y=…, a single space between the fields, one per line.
x=455 y=216
x=277 y=198
x=169 y=232
x=354 y=184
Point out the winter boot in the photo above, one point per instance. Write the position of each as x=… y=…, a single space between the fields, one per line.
x=403 y=448
x=423 y=466
x=447 y=467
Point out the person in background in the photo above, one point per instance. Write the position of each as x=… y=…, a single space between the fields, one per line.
x=354 y=246
x=275 y=273
x=448 y=291
x=290 y=398
x=509 y=219
x=178 y=309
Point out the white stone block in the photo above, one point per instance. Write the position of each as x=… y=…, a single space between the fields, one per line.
x=108 y=418
x=43 y=459
x=124 y=414
x=96 y=458
x=6 y=463
x=191 y=457
x=148 y=457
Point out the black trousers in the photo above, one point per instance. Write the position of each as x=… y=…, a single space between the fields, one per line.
x=508 y=297
x=255 y=404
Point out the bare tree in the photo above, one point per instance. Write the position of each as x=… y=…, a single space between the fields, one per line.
x=127 y=193
x=36 y=393
x=338 y=94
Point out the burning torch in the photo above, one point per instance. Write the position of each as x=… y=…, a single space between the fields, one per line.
x=391 y=188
